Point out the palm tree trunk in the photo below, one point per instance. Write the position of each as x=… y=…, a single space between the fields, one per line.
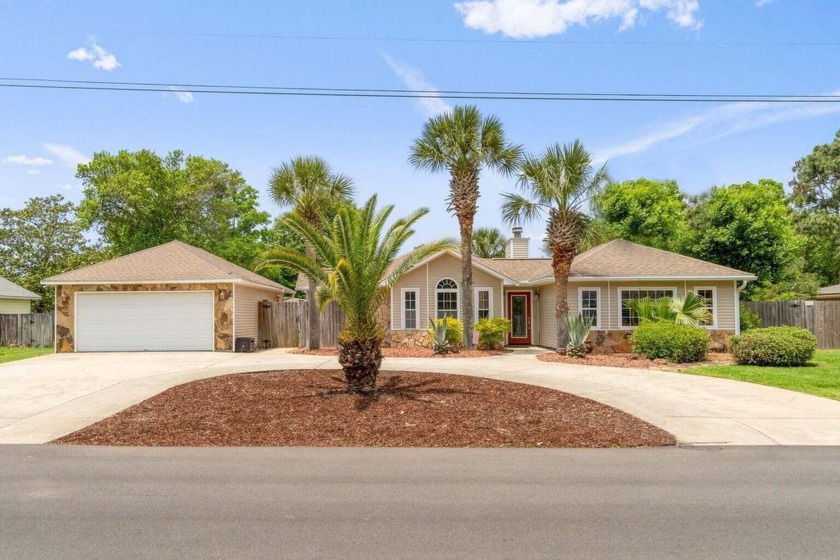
x=314 y=334
x=361 y=359
x=564 y=231
x=561 y=302
x=464 y=200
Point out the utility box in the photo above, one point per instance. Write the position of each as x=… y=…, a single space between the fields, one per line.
x=245 y=344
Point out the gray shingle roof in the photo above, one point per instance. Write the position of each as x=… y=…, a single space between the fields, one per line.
x=830 y=290
x=13 y=291
x=171 y=262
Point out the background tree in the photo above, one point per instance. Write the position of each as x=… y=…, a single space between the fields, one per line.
x=463 y=142
x=488 y=243
x=816 y=196
x=653 y=213
x=42 y=239
x=559 y=184
x=136 y=200
x=309 y=186
x=352 y=257
x=748 y=227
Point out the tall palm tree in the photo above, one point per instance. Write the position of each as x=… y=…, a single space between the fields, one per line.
x=558 y=184
x=313 y=190
x=488 y=243
x=353 y=267
x=463 y=142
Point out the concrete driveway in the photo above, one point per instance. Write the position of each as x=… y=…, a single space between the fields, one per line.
x=47 y=397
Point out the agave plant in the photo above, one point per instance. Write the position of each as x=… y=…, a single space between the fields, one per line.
x=690 y=310
x=438 y=331
x=579 y=328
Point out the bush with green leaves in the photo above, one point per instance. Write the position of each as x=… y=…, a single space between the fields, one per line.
x=578 y=327
x=491 y=333
x=749 y=318
x=774 y=346
x=674 y=342
x=454 y=332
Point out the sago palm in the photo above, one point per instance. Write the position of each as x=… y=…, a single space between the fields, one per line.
x=488 y=243
x=463 y=143
x=558 y=184
x=690 y=310
x=313 y=190
x=352 y=267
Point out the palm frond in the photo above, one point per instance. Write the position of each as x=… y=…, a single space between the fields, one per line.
x=517 y=209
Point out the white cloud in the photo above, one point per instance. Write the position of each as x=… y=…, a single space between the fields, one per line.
x=66 y=154
x=26 y=160
x=761 y=3
x=32 y=172
x=413 y=79
x=541 y=18
x=66 y=187
x=719 y=122
x=100 y=57
x=181 y=95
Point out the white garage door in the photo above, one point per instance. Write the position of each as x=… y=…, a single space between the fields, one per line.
x=137 y=321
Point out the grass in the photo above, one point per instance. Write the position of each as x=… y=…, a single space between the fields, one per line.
x=11 y=354
x=820 y=377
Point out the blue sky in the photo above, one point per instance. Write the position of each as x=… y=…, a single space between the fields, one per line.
x=651 y=46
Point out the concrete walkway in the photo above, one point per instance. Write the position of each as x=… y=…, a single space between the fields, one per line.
x=47 y=397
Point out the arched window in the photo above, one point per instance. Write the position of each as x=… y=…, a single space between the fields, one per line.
x=446 y=296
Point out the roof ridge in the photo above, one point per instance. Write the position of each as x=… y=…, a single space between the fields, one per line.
x=597 y=249
x=695 y=259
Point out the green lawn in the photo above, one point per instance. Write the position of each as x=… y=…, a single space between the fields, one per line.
x=12 y=354
x=821 y=377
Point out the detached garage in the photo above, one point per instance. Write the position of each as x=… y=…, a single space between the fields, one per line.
x=170 y=297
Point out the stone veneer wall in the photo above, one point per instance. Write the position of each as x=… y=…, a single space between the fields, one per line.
x=618 y=342
x=65 y=311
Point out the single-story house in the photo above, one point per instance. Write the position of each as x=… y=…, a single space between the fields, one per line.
x=602 y=280
x=170 y=297
x=830 y=293
x=15 y=299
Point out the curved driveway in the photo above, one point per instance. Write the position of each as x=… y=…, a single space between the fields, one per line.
x=44 y=398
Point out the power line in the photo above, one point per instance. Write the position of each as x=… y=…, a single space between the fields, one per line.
x=506 y=41
x=296 y=91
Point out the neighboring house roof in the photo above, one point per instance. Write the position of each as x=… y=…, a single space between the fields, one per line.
x=830 y=290
x=10 y=290
x=171 y=262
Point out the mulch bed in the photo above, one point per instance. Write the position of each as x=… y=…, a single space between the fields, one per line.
x=408 y=353
x=312 y=408
x=632 y=360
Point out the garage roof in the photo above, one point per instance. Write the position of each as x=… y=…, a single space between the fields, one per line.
x=171 y=262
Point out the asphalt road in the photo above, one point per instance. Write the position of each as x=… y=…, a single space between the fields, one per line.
x=758 y=502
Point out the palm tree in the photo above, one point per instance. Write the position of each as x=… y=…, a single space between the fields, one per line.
x=690 y=310
x=463 y=142
x=488 y=243
x=353 y=267
x=313 y=190
x=557 y=184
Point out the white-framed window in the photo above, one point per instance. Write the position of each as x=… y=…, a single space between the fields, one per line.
x=446 y=299
x=709 y=295
x=629 y=319
x=589 y=303
x=483 y=300
x=410 y=308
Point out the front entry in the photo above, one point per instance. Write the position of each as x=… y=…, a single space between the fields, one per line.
x=519 y=313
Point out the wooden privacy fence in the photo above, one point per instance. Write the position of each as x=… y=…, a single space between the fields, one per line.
x=36 y=330
x=285 y=324
x=820 y=317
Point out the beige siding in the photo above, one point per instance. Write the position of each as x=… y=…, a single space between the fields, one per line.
x=246 y=309
x=547 y=335
x=425 y=279
x=15 y=306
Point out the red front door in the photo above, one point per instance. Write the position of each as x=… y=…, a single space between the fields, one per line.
x=519 y=313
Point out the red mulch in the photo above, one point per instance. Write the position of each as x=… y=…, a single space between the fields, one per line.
x=312 y=408
x=632 y=360
x=408 y=353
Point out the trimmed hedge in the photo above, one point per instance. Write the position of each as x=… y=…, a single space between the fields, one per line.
x=670 y=341
x=774 y=346
x=491 y=333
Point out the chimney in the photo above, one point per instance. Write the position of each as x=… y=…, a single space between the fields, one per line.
x=517 y=246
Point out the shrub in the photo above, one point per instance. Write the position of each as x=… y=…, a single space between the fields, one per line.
x=774 y=346
x=454 y=331
x=749 y=318
x=491 y=333
x=670 y=341
x=578 y=328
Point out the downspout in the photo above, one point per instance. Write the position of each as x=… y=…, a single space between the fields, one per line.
x=738 y=290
